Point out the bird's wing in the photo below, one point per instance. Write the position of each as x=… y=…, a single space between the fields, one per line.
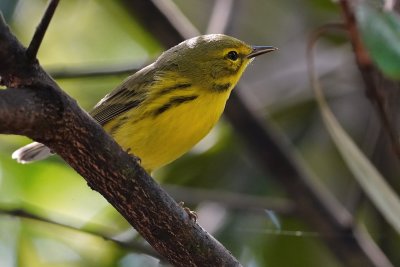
x=126 y=96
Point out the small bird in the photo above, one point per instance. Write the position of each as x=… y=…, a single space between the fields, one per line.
x=163 y=110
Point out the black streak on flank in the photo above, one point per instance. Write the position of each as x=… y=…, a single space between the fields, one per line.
x=221 y=87
x=173 y=88
x=121 y=122
x=174 y=101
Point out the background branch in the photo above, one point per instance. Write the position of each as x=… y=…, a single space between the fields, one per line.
x=86 y=72
x=132 y=246
x=379 y=89
x=236 y=201
x=276 y=84
x=273 y=153
x=220 y=16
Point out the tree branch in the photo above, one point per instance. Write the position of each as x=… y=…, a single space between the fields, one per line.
x=15 y=70
x=235 y=201
x=37 y=39
x=275 y=156
x=15 y=103
x=86 y=72
x=160 y=25
x=132 y=246
x=379 y=89
x=220 y=16
x=57 y=121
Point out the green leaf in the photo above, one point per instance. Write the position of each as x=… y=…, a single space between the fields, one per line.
x=380 y=32
x=371 y=181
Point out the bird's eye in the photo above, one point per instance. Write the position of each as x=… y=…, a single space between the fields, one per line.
x=233 y=55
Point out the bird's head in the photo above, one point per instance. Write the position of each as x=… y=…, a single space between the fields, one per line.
x=215 y=61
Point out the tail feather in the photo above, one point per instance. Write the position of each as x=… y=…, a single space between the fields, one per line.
x=32 y=152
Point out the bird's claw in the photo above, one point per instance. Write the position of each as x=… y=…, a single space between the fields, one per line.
x=136 y=158
x=192 y=214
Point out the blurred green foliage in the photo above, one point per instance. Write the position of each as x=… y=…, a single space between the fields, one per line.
x=380 y=31
x=92 y=33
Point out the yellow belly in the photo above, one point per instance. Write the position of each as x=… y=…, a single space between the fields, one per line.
x=158 y=140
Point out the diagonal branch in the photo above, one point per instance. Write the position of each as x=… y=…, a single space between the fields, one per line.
x=375 y=254
x=159 y=23
x=378 y=89
x=220 y=16
x=51 y=117
x=18 y=104
x=132 y=246
x=275 y=156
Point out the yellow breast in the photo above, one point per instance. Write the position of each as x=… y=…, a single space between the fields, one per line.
x=162 y=133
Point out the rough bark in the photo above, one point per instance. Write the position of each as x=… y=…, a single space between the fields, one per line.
x=33 y=105
x=351 y=245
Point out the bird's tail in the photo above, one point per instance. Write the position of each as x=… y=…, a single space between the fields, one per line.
x=32 y=152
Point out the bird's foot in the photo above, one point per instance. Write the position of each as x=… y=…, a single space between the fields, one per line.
x=136 y=158
x=192 y=214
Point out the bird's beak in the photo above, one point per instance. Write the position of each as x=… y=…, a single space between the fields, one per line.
x=259 y=50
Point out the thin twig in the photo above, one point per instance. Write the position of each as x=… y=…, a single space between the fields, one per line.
x=315 y=35
x=370 y=249
x=88 y=72
x=177 y=18
x=71 y=133
x=361 y=54
x=41 y=29
x=194 y=196
x=271 y=151
x=133 y=246
x=370 y=76
x=220 y=16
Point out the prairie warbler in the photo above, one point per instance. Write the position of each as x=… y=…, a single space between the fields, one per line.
x=163 y=110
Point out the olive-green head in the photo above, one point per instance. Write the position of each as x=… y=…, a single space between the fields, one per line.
x=214 y=62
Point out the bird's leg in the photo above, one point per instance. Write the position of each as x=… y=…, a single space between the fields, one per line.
x=136 y=158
